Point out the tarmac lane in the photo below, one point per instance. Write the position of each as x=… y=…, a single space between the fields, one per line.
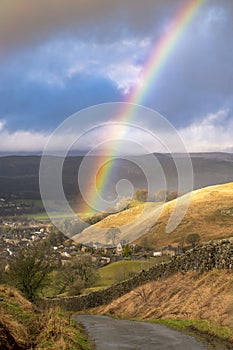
x=111 y=334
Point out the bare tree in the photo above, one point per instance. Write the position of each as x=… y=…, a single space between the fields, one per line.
x=161 y=196
x=171 y=195
x=112 y=234
x=77 y=274
x=141 y=195
x=193 y=239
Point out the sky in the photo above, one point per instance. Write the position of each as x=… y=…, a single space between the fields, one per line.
x=58 y=57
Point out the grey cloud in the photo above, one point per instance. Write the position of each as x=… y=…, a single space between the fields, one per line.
x=32 y=21
x=195 y=80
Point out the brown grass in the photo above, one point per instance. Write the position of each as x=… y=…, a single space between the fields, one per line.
x=122 y=218
x=16 y=316
x=207 y=296
x=58 y=332
x=11 y=294
x=204 y=216
x=23 y=326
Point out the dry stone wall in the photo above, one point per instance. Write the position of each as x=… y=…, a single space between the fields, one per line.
x=215 y=255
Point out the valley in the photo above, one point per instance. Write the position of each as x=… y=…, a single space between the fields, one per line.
x=86 y=262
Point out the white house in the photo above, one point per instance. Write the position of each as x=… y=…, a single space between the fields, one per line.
x=157 y=254
x=119 y=249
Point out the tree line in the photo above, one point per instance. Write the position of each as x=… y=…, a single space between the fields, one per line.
x=142 y=195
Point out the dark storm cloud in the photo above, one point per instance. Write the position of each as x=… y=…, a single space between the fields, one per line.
x=32 y=21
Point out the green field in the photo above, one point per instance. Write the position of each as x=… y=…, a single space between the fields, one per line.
x=39 y=212
x=121 y=270
x=54 y=216
x=32 y=202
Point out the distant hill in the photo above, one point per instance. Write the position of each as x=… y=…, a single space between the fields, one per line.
x=19 y=175
x=210 y=214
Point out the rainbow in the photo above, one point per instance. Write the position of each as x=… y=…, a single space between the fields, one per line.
x=155 y=62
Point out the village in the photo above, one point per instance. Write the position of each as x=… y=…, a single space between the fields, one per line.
x=17 y=233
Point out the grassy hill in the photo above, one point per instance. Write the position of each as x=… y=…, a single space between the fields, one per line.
x=132 y=223
x=181 y=296
x=210 y=214
x=123 y=269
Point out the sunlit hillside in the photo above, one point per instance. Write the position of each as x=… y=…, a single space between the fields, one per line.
x=210 y=214
x=192 y=295
x=132 y=223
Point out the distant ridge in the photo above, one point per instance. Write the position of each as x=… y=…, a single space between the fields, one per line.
x=209 y=169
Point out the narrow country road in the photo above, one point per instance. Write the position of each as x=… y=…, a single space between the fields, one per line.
x=109 y=334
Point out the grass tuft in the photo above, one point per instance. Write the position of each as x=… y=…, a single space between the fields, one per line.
x=23 y=326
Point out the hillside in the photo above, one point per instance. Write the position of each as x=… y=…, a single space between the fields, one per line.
x=188 y=296
x=210 y=214
x=23 y=326
x=132 y=223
